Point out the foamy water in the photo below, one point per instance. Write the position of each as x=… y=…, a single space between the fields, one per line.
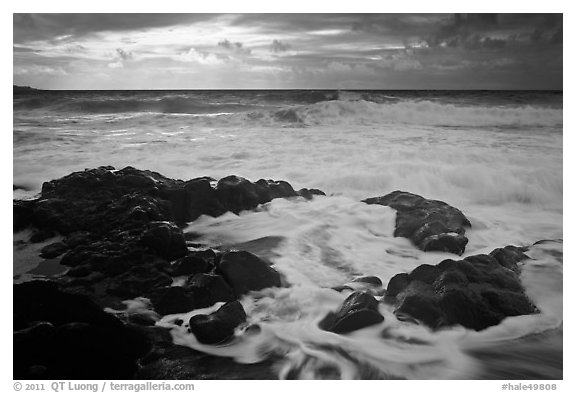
x=496 y=157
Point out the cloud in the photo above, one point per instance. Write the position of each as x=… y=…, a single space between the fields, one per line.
x=540 y=35
x=120 y=58
x=23 y=49
x=39 y=70
x=399 y=61
x=494 y=31
x=76 y=48
x=236 y=48
x=415 y=50
x=36 y=27
x=124 y=55
x=195 y=56
x=278 y=46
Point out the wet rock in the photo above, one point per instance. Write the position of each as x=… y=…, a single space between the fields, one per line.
x=218 y=326
x=120 y=233
x=191 y=264
x=237 y=194
x=53 y=250
x=510 y=257
x=431 y=225
x=446 y=242
x=202 y=290
x=208 y=289
x=137 y=281
x=174 y=300
x=164 y=239
x=371 y=280
x=102 y=199
x=79 y=271
x=78 y=238
x=397 y=284
x=208 y=255
x=358 y=311
x=276 y=189
x=309 y=193
x=476 y=292
x=67 y=336
x=22 y=212
x=246 y=272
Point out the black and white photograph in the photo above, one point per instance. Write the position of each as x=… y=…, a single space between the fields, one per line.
x=287 y=196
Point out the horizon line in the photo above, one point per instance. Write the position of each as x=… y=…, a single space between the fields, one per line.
x=279 y=89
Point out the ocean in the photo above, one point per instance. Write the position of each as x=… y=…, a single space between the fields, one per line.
x=495 y=155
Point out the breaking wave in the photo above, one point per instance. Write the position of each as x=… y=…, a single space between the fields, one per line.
x=414 y=112
x=306 y=108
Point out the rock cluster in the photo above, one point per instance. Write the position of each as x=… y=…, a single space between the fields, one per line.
x=122 y=239
x=476 y=292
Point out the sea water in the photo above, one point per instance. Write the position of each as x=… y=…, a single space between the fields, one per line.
x=497 y=156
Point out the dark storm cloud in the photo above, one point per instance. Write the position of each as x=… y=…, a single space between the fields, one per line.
x=295 y=23
x=493 y=31
x=31 y=27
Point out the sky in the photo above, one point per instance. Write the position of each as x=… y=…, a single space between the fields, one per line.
x=288 y=51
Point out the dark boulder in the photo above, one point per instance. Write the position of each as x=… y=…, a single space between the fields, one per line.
x=431 y=225
x=137 y=281
x=510 y=257
x=22 y=212
x=446 y=242
x=192 y=199
x=66 y=336
x=358 y=311
x=79 y=271
x=207 y=289
x=276 y=189
x=476 y=292
x=191 y=264
x=174 y=300
x=164 y=239
x=309 y=193
x=246 y=272
x=237 y=194
x=218 y=326
x=201 y=290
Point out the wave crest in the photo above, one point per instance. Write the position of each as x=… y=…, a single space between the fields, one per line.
x=414 y=112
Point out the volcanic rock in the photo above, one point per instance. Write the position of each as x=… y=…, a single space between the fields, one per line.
x=476 y=292
x=218 y=326
x=358 y=311
x=66 y=336
x=246 y=272
x=431 y=225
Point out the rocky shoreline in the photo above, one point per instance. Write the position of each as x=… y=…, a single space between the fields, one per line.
x=122 y=240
